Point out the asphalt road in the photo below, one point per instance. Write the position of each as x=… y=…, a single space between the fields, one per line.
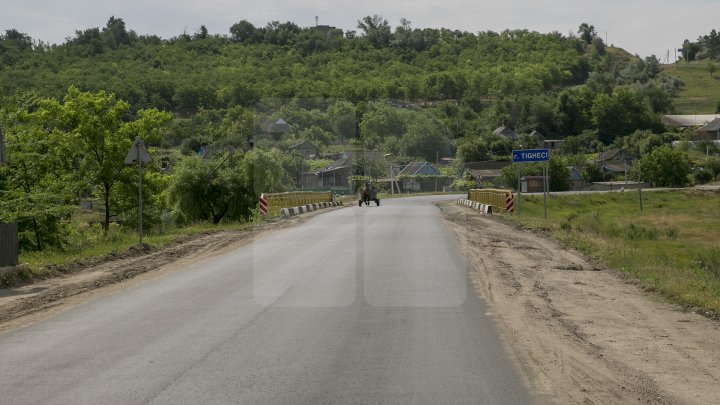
x=359 y=305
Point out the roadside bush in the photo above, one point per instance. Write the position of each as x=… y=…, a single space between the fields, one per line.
x=462 y=185
x=709 y=261
x=702 y=177
x=641 y=232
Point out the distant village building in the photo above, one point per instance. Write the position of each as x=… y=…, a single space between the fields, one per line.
x=337 y=174
x=711 y=130
x=615 y=161
x=506 y=133
x=482 y=172
x=419 y=169
x=275 y=129
x=688 y=121
x=305 y=149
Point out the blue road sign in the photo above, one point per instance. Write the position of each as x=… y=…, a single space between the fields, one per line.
x=530 y=155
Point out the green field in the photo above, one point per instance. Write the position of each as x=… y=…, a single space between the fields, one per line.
x=701 y=93
x=671 y=246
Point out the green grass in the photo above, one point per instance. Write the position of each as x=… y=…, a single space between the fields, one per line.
x=671 y=246
x=701 y=93
x=88 y=244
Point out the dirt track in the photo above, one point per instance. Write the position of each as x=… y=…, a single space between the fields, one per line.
x=582 y=333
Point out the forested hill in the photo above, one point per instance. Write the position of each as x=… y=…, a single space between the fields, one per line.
x=552 y=83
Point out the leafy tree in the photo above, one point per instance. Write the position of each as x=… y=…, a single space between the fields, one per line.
x=379 y=122
x=592 y=173
x=559 y=174
x=114 y=34
x=342 y=118
x=211 y=189
x=713 y=166
x=425 y=138
x=664 y=167
x=245 y=32
x=587 y=32
x=473 y=149
x=376 y=30
x=621 y=113
x=101 y=136
x=35 y=190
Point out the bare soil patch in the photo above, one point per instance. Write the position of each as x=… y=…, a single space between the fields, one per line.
x=585 y=334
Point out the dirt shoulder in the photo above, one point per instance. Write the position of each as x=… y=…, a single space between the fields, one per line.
x=31 y=303
x=584 y=334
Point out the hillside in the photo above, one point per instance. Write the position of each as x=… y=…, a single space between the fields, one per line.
x=700 y=93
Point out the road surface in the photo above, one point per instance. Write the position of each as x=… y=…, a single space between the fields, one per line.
x=357 y=305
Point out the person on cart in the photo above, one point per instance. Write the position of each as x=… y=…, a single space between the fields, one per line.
x=369 y=193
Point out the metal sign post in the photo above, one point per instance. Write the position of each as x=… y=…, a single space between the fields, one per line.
x=138 y=153
x=533 y=155
x=519 y=191
x=545 y=187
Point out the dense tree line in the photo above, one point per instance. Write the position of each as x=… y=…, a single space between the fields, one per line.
x=705 y=47
x=71 y=110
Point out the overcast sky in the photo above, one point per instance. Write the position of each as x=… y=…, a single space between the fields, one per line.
x=642 y=27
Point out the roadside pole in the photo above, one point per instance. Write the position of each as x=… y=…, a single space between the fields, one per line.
x=138 y=153
x=545 y=187
x=519 y=191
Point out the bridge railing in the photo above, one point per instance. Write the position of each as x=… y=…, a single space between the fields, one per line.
x=488 y=196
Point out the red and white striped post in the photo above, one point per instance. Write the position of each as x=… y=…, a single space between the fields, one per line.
x=262 y=205
x=509 y=202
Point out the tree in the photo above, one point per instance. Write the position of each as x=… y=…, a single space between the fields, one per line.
x=664 y=167
x=36 y=191
x=244 y=32
x=211 y=189
x=713 y=166
x=559 y=175
x=115 y=34
x=377 y=30
x=99 y=136
x=425 y=138
x=587 y=33
x=620 y=114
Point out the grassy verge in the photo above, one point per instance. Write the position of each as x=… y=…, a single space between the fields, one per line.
x=671 y=246
x=89 y=245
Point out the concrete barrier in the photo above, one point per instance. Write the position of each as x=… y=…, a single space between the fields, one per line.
x=302 y=209
x=483 y=208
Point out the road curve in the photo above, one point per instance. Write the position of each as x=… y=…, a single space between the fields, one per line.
x=359 y=305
